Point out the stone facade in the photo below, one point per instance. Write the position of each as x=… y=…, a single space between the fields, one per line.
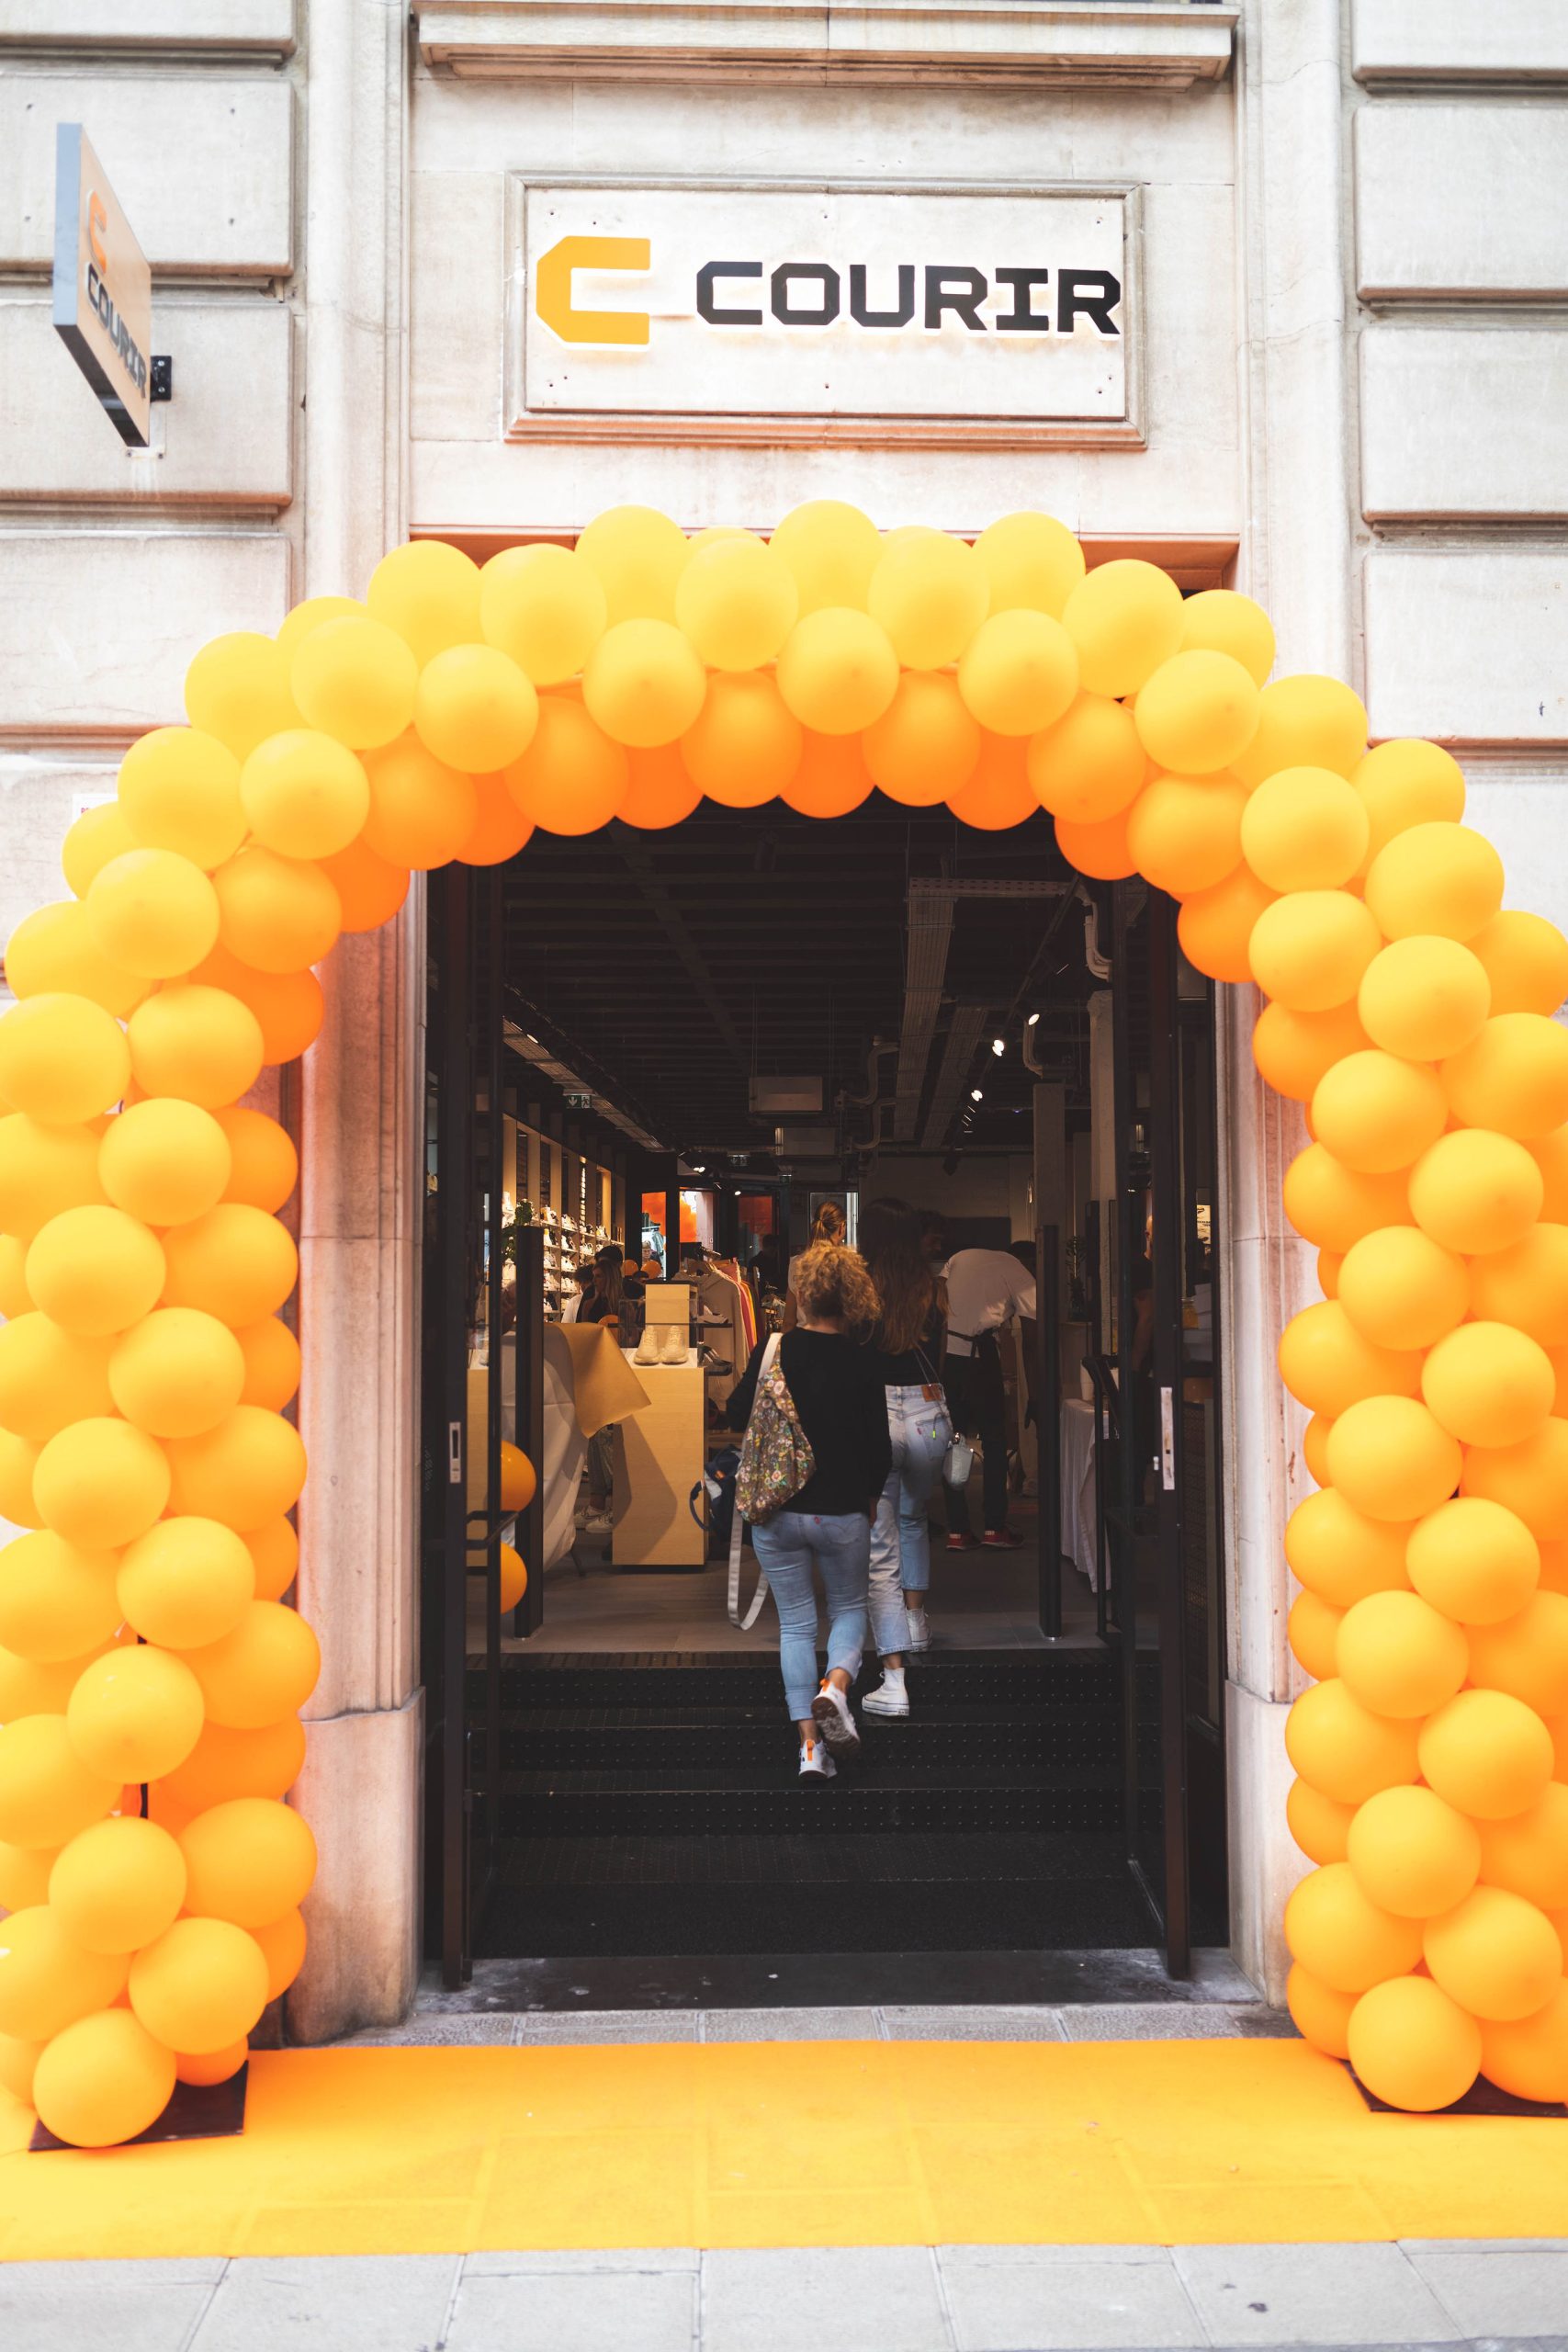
x=1353 y=264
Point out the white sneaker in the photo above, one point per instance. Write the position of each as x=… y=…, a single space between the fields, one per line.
x=598 y=1522
x=677 y=1348
x=890 y=1696
x=831 y=1713
x=648 y=1346
x=816 y=1764
x=919 y=1631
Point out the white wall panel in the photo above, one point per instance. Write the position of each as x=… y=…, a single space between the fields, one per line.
x=263 y=26
x=225 y=437
x=39 y=798
x=1454 y=40
x=1465 y=421
x=201 y=163
x=101 y=625
x=1526 y=819
x=1461 y=200
x=1467 y=647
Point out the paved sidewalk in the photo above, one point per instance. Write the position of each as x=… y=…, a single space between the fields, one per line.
x=429 y=2026
x=890 y=2299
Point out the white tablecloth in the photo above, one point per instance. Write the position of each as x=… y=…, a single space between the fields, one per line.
x=1078 y=1486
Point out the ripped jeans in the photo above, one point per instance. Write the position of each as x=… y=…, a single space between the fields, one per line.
x=900 y=1536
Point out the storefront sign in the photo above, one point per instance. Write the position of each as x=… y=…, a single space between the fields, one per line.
x=103 y=287
x=769 y=313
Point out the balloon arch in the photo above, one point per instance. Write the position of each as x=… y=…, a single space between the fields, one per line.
x=146 y=1642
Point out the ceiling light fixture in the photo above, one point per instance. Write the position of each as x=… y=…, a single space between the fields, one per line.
x=1033 y=1020
x=998 y=1046
x=975 y=1095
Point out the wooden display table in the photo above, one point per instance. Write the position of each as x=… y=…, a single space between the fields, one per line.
x=659 y=1460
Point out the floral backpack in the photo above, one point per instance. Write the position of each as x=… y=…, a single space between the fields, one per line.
x=776 y=1460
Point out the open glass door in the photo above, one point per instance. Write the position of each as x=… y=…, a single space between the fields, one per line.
x=1163 y=1524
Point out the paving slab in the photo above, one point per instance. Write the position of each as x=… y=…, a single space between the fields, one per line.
x=359 y=2302
x=593 y=2026
x=1068 y=2306
x=1499 y=2290
x=102 y=2306
x=791 y=2025
x=576 y=2260
x=1312 y=2294
x=601 y=2311
x=1021 y=2022
x=1153 y=2021
x=871 y=2298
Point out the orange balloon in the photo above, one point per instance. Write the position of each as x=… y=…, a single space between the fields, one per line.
x=1340 y=1553
x=1333 y=1206
x=1340 y=1747
x=1293 y=1051
x=661 y=792
x=1185 y=832
x=1525 y=960
x=571 y=778
x=832 y=778
x=272 y=1364
x=290 y=1006
x=421 y=810
x=1342 y=1937
x=1321 y=2015
x=1098 y=849
x=501 y=829
x=370 y=890
x=1530 y=1478
x=1215 y=926
x=264 y=1165
x=999 y=795
x=1320 y=1825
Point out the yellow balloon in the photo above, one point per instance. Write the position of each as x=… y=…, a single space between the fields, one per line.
x=1198 y=712
x=519 y=1483
x=514 y=1577
x=1434 y=878
x=1475 y=1191
x=135 y=1712
x=1089 y=764
x=638 y=556
x=185 y=1583
x=643 y=684
x=1400 y=1290
x=46 y=1793
x=1328 y=1364
x=1528 y=1855
x=24 y=1880
x=1339 y=1554
x=57 y=1601
x=1018 y=673
x=1321 y=2015
x=1423 y=997
x=220 y=2065
x=737 y=600
x=1332 y=1206
x=153 y=912
x=1392 y=1458
x=91 y=840
x=1185 y=832
x=1489 y=1385
x=1413 y=2046
x=201 y=1986
x=744 y=745
x=1311 y=1629
x=1524 y=957
x=100 y=1483
x=118 y=1885
x=15 y=1296
x=54 y=953
x=1528 y=2056
x=429 y=592
x=1341 y=1748
x=474 y=709
x=1399 y=1656
x=1378 y=1114
x=179 y=790
x=272 y=1361
x=49 y=1376
x=278 y=914
x=930 y=595
x=63 y=1059
x=164 y=1162
x=176 y=1372
x=1319 y=1825
x=1125 y=619
x=312 y=614
x=47 y=1981
x=1342 y=1937
x=1530 y=1478
x=225 y=1764
x=832 y=549
x=251 y=1861
x=926 y=744
x=1310 y=950
x=103 y=2081
x=1526 y=1656
x=95 y=1271
x=244 y=1471
x=236 y=1263
x=1413 y=1854
x=1527 y=1284
x=198 y=1044
x=1221 y=621
x=264 y=1670
x=545 y=608
x=353 y=679
x=1305 y=829
x=1032 y=563
x=1488 y=1754
x=305 y=795
x=1306 y=722
x=1495 y=1954
x=237 y=689
x=838 y=671
x=1405 y=783
x=1512 y=1076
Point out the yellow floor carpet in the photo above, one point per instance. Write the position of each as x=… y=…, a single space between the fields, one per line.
x=767 y=2145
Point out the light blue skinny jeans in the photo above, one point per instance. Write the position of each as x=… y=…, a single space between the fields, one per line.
x=786 y=1545
x=900 y=1536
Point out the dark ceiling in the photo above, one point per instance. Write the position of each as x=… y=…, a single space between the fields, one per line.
x=675 y=965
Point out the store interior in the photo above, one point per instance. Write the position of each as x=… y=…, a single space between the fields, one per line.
x=705 y=1033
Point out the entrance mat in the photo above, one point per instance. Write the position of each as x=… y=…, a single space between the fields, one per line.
x=446 y=2151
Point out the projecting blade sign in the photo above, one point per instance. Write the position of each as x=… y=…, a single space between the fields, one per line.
x=103 y=287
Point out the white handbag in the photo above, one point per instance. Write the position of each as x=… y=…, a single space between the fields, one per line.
x=957 y=1462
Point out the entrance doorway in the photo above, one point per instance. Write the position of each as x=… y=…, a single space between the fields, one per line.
x=682 y=1042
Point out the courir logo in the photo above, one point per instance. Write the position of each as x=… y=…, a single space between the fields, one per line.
x=925 y=297
x=131 y=359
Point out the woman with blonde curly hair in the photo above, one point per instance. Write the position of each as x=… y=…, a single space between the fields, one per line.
x=835 y=1386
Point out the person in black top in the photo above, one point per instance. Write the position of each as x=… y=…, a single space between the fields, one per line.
x=907 y=1342
x=835 y=1382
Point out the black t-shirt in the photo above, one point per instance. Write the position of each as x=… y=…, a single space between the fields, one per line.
x=904 y=1369
x=841 y=1399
